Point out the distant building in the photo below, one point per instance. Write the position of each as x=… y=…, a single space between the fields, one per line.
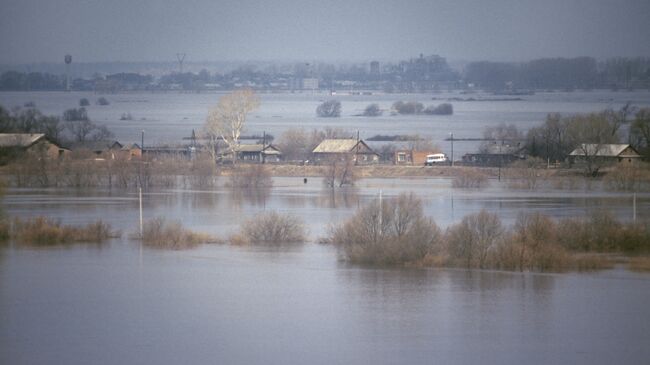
x=605 y=153
x=259 y=153
x=30 y=143
x=496 y=154
x=341 y=148
x=104 y=148
x=374 y=68
x=410 y=157
x=303 y=84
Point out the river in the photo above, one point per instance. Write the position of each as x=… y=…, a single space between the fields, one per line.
x=119 y=303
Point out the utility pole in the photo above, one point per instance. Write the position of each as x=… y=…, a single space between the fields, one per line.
x=181 y=58
x=381 y=213
x=263 y=147
x=452 y=149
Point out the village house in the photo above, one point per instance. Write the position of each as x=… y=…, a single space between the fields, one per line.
x=332 y=149
x=496 y=154
x=108 y=149
x=411 y=157
x=258 y=153
x=131 y=151
x=604 y=153
x=36 y=143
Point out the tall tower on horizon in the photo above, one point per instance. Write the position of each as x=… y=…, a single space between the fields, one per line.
x=68 y=61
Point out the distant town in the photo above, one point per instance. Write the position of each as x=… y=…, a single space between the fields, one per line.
x=423 y=73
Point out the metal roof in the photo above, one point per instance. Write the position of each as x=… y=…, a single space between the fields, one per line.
x=19 y=139
x=604 y=150
x=336 y=146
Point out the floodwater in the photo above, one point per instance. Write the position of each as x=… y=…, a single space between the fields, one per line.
x=169 y=117
x=118 y=303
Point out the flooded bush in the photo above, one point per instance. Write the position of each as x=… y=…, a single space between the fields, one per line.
x=442 y=109
x=471 y=242
x=372 y=110
x=160 y=233
x=102 y=101
x=395 y=232
x=469 y=178
x=407 y=107
x=271 y=228
x=627 y=177
x=527 y=174
x=44 y=231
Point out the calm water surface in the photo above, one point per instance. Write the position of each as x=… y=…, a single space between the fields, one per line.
x=118 y=303
x=167 y=118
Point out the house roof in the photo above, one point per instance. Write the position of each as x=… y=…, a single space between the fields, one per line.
x=605 y=150
x=336 y=146
x=19 y=139
x=132 y=146
x=98 y=146
x=268 y=150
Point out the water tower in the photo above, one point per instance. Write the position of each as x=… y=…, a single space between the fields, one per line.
x=68 y=61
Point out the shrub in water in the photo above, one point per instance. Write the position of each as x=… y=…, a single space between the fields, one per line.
x=271 y=228
x=395 y=233
x=159 y=233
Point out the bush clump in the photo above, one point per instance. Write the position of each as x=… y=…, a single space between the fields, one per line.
x=469 y=178
x=442 y=109
x=329 y=109
x=393 y=233
x=407 y=107
x=372 y=110
x=84 y=102
x=160 y=233
x=103 y=101
x=43 y=231
x=75 y=115
x=271 y=228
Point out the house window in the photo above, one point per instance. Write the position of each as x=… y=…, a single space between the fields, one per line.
x=401 y=157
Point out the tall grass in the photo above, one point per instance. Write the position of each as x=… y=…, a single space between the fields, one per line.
x=160 y=233
x=43 y=231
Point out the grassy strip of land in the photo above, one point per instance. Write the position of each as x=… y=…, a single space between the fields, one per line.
x=164 y=234
x=43 y=231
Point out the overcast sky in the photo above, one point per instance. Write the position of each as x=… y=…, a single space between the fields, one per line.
x=334 y=30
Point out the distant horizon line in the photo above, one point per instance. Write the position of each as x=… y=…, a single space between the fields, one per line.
x=289 y=61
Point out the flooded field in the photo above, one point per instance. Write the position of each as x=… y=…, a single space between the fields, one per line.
x=167 y=118
x=118 y=303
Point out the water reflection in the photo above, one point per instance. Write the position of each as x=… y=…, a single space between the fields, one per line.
x=257 y=197
x=347 y=197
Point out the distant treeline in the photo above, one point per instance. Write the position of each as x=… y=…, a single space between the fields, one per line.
x=419 y=74
x=560 y=73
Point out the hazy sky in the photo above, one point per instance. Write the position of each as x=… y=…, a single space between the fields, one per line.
x=335 y=30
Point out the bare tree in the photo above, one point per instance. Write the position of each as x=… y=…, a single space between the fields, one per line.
x=227 y=119
x=589 y=134
x=340 y=171
x=640 y=132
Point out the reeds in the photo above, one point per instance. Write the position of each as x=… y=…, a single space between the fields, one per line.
x=43 y=231
x=160 y=233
